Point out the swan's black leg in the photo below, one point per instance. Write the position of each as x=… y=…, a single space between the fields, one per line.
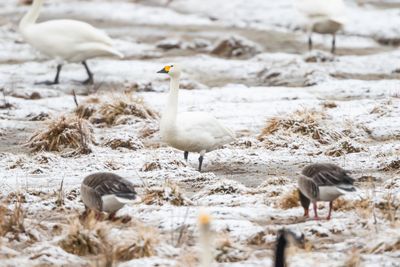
x=333 y=50
x=89 y=80
x=309 y=43
x=56 y=81
x=200 y=162
x=186 y=155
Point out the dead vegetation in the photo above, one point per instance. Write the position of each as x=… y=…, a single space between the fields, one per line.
x=168 y=193
x=113 y=113
x=304 y=122
x=117 y=111
x=227 y=251
x=392 y=166
x=143 y=245
x=12 y=221
x=289 y=200
x=158 y=164
x=236 y=46
x=63 y=133
x=83 y=241
x=342 y=204
x=129 y=143
x=343 y=148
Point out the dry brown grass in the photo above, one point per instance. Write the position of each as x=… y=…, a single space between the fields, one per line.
x=354 y=259
x=12 y=221
x=342 y=204
x=63 y=133
x=111 y=113
x=125 y=143
x=392 y=166
x=343 y=148
x=143 y=246
x=289 y=200
x=168 y=193
x=389 y=207
x=305 y=122
x=227 y=251
x=85 y=238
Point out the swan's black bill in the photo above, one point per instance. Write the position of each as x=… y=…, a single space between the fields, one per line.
x=162 y=71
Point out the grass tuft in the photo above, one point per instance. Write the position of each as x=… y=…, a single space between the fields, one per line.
x=289 y=200
x=63 y=133
x=305 y=122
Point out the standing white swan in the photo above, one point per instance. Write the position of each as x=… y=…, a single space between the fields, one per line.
x=324 y=17
x=65 y=40
x=190 y=131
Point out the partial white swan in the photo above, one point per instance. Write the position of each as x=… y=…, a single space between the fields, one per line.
x=324 y=17
x=65 y=40
x=190 y=131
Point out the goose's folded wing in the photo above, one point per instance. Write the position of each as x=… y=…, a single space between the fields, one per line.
x=119 y=187
x=326 y=178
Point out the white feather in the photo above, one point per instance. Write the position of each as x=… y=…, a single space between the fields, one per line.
x=191 y=131
x=67 y=40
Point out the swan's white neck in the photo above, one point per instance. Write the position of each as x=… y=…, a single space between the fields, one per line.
x=169 y=115
x=32 y=15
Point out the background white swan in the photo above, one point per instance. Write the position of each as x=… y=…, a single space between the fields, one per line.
x=190 y=131
x=65 y=40
x=324 y=17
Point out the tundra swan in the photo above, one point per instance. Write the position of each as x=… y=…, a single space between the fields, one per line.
x=324 y=17
x=323 y=182
x=190 y=131
x=107 y=192
x=65 y=40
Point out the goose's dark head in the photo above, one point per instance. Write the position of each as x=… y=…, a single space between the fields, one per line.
x=305 y=203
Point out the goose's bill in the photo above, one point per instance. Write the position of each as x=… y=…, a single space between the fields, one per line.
x=164 y=70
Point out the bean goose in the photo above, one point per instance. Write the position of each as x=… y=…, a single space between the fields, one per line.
x=323 y=182
x=107 y=192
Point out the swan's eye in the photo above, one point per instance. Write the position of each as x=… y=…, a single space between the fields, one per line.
x=172 y=66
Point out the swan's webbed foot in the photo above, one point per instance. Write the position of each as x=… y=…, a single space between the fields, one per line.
x=186 y=155
x=87 y=81
x=47 y=83
x=56 y=79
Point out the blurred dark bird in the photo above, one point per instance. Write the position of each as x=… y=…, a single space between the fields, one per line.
x=284 y=237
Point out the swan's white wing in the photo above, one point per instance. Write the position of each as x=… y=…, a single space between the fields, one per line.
x=73 y=30
x=67 y=38
x=317 y=9
x=200 y=130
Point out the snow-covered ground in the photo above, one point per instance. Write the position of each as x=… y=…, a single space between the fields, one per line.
x=351 y=99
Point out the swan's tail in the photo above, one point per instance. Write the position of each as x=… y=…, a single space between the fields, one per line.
x=115 y=52
x=97 y=49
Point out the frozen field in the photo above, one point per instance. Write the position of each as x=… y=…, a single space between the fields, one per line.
x=247 y=63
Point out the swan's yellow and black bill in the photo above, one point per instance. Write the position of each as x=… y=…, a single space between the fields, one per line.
x=165 y=69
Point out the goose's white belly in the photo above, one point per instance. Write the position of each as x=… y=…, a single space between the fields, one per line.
x=328 y=193
x=111 y=203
